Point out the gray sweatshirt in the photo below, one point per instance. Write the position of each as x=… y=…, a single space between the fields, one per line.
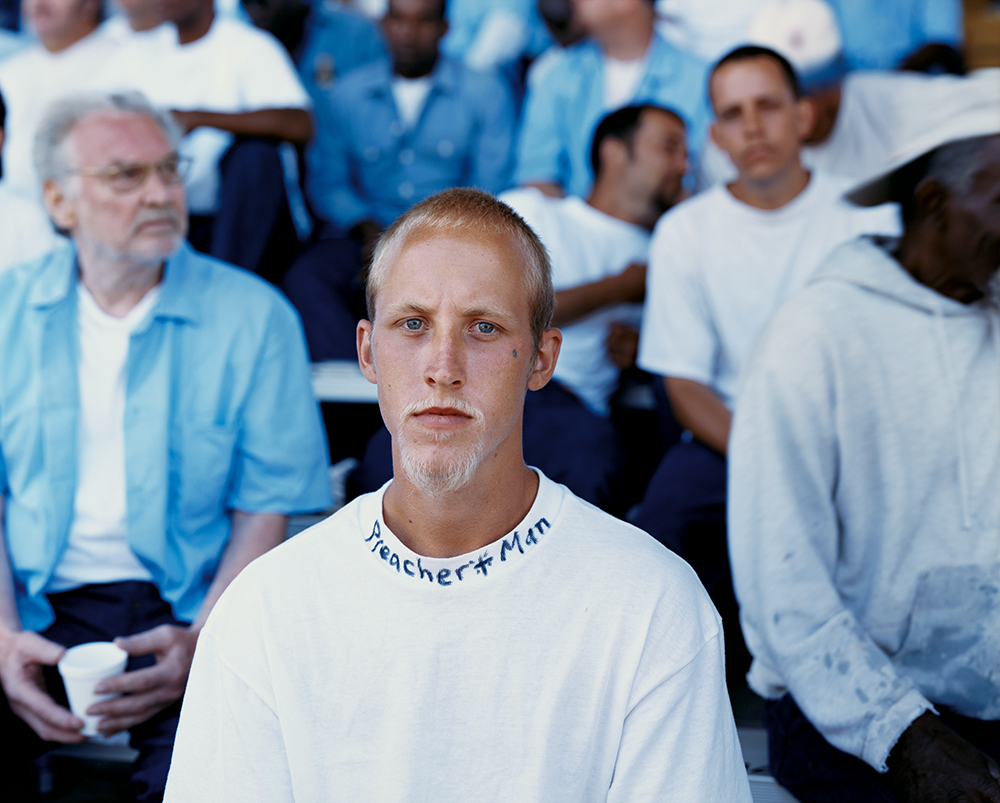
x=864 y=502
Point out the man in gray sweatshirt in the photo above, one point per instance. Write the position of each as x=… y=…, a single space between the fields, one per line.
x=864 y=506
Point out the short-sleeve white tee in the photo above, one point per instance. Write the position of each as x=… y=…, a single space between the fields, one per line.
x=584 y=245
x=233 y=68
x=720 y=268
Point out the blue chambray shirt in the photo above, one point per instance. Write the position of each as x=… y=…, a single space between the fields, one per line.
x=561 y=113
x=365 y=164
x=219 y=416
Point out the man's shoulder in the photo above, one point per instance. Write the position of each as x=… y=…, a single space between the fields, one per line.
x=622 y=554
x=211 y=281
x=694 y=214
x=374 y=77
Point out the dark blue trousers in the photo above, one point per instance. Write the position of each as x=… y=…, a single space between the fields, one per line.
x=325 y=286
x=568 y=442
x=816 y=772
x=100 y=613
x=685 y=510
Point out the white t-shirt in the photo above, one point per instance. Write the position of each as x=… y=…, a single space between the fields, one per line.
x=573 y=659
x=25 y=230
x=32 y=79
x=621 y=80
x=584 y=245
x=97 y=550
x=410 y=95
x=233 y=68
x=719 y=269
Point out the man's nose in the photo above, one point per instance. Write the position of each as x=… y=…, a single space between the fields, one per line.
x=444 y=363
x=155 y=189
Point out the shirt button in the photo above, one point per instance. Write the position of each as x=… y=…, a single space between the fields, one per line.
x=406 y=190
x=371 y=153
x=395 y=128
x=406 y=156
x=445 y=148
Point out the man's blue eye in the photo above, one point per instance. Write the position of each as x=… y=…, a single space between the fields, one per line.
x=485 y=328
x=413 y=324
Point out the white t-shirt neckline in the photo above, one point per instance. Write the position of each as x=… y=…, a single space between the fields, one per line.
x=493 y=560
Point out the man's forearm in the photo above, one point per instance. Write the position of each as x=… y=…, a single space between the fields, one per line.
x=575 y=302
x=252 y=535
x=699 y=409
x=292 y=125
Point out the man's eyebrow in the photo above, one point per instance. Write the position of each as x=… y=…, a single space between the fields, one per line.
x=416 y=308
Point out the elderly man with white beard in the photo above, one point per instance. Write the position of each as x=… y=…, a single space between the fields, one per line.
x=472 y=630
x=140 y=464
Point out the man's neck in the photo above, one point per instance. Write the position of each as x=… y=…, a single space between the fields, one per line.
x=196 y=26
x=458 y=522
x=774 y=192
x=117 y=288
x=56 y=44
x=629 y=38
x=919 y=254
x=628 y=207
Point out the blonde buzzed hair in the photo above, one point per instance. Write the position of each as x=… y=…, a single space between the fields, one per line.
x=470 y=211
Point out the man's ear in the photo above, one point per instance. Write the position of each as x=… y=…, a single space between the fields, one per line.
x=714 y=135
x=931 y=196
x=365 y=358
x=805 y=117
x=545 y=361
x=61 y=208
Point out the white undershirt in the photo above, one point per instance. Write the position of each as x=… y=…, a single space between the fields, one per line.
x=98 y=550
x=621 y=80
x=410 y=95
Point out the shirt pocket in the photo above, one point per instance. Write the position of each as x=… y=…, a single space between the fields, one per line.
x=202 y=470
x=951 y=649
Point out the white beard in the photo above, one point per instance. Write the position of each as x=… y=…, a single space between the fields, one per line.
x=427 y=474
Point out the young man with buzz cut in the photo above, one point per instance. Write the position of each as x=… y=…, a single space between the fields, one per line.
x=472 y=630
x=720 y=264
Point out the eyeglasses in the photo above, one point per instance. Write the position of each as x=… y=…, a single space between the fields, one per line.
x=125 y=178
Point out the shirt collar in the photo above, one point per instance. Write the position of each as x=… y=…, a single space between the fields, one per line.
x=180 y=296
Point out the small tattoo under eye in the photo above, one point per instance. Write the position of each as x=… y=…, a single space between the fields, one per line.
x=515 y=354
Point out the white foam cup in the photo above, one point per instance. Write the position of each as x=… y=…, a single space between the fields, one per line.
x=82 y=667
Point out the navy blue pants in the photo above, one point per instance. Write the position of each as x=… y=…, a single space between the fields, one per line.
x=568 y=442
x=253 y=226
x=99 y=613
x=325 y=286
x=685 y=510
x=816 y=772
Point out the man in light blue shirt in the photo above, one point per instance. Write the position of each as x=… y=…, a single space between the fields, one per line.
x=624 y=62
x=141 y=462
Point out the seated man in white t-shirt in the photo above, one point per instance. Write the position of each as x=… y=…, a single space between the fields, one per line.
x=720 y=264
x=235 y=91
x=72 y=54
x=472 y=630
x=598 y=247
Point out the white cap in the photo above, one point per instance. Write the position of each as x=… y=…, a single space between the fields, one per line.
x=803 y=31
x=971 y=110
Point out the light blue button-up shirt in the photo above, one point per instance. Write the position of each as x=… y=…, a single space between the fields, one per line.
x=562 y=111
x=219 y=416
x=365 y=164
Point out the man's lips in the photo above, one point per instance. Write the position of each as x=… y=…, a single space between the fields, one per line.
x=442 y=417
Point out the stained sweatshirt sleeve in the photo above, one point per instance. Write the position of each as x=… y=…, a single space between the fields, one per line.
x=784 y=538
